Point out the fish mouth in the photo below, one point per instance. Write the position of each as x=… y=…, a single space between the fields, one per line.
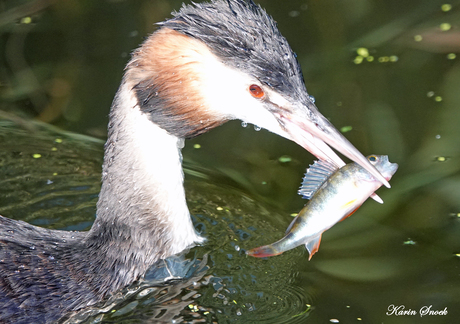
x=307 y=127
x=385 y=167
x=390 y=170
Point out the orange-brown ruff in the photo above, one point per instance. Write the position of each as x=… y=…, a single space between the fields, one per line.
x=170 y=66
x=210 y=63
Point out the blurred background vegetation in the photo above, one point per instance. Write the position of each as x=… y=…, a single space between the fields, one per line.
x=386 y=71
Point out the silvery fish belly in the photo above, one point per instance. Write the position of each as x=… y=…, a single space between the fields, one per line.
x=334 y=195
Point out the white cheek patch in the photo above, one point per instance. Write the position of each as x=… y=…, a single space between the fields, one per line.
x=225 y=90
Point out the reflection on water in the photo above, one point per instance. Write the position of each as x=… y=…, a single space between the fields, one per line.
x=387 y=72
x=400 y=253
x=44 y=179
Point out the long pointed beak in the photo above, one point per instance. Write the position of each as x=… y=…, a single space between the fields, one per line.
x=311 y=130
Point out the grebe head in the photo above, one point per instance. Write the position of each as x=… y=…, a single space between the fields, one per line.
x=224 y=60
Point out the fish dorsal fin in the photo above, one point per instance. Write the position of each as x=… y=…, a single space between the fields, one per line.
x=316 y=175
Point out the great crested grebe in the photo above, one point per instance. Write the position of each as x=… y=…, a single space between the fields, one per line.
x=210 y=63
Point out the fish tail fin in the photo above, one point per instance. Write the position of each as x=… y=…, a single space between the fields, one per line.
x=313 y=245
x=263 y=251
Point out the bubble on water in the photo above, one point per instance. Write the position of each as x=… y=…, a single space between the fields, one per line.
x=409 y=241
x=358 y=59
x=446 y=7
x=312 y=98
x=445 y=26
x=345 y=129
x=284 y=159
x=26 y=20
x=244 y=124
x=257 y=128
x=362 y=51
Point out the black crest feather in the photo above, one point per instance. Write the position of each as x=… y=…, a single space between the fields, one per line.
x=246 y=37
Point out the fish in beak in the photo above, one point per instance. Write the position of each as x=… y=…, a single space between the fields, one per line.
x=307 y=127
x=334 y=195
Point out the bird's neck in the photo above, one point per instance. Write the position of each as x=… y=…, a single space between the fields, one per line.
x=142 y=201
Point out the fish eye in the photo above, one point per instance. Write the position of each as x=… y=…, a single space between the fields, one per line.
x=372 y=158
x=256 y=91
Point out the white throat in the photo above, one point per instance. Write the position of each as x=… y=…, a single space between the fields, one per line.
x=143 y=172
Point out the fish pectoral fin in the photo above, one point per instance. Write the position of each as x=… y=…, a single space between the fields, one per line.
x=347 y=205
x=352 y=212
x=290 y=225
x=349 y=214
x=313 y=246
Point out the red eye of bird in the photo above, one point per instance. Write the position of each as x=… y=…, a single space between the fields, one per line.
x=256 y=91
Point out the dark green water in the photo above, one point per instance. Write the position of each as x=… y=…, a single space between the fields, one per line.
x=401 y=98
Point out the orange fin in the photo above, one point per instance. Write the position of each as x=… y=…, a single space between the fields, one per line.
x=313 y=246
x=349 y=214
